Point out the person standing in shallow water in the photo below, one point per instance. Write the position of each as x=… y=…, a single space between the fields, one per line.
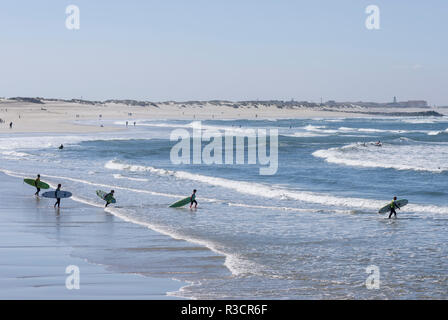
x=393 y=205
x=193 y=199
x=108 y=196
x=36 y=184
x=58 y=200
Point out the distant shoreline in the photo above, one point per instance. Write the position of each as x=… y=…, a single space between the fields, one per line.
x=39 y=115
x=277 y=103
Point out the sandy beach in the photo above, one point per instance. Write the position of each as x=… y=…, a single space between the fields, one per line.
x=67 y=117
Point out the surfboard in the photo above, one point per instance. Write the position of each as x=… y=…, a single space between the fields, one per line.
x=400 y=203
x=58 y=194
x=32 y=182
x=102 y=194
x=181 y=203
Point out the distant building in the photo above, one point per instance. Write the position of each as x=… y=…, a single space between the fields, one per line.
x=408 y=104
x=414 y=104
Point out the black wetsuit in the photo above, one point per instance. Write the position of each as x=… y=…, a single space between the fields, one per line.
x=107 y=196
x=58 y=200
x=37 y=188
x=193 y=200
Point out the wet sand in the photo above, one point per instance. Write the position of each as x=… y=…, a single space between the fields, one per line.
x=36 y=248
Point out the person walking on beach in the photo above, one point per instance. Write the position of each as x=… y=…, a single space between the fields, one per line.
x=393 y=205
x=108 y=196
x=58 y=200
x=193 y=199
x=10 y=125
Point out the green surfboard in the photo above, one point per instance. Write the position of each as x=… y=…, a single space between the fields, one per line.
x=181 y=203
x=103 y=194
x=399 y=203
x=32 y=182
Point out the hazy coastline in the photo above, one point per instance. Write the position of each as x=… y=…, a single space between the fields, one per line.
x=55 y=115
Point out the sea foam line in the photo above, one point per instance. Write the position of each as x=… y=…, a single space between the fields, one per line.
x=260 y=190
x=235 y=265
x=418 y=158
x=232 y=262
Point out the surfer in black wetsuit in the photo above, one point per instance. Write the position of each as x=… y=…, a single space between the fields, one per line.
x=193 y=199
x=109 y=195
x=36 y=184
x=58 y=200
x=393 y=205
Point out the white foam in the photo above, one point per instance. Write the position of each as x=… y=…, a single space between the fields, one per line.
x=37 y=142
x=435 y=133
x=335 y=120
x=235 y=130
x=325 y=130
x=319 y=129
x=53 y=141
x=419 y=121
x=119 y=176
x=232 y=262
x=380 y=130
x=428 y=157
x=261 y=190
x=425 y=120
x=14 y=155
x=305 y=135
x=236 y=265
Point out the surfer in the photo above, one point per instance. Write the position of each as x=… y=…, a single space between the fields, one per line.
x=193 y=199
x=378 y=144
x=36 y=183
x=61 y=147
x=58 y=200
x=108 y=196
x=393 y=205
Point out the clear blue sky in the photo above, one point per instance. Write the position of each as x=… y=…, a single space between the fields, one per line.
x=225 y=49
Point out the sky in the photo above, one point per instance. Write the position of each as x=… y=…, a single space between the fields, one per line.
x=225 y=49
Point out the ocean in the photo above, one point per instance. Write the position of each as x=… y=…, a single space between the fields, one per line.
x=310 y=231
